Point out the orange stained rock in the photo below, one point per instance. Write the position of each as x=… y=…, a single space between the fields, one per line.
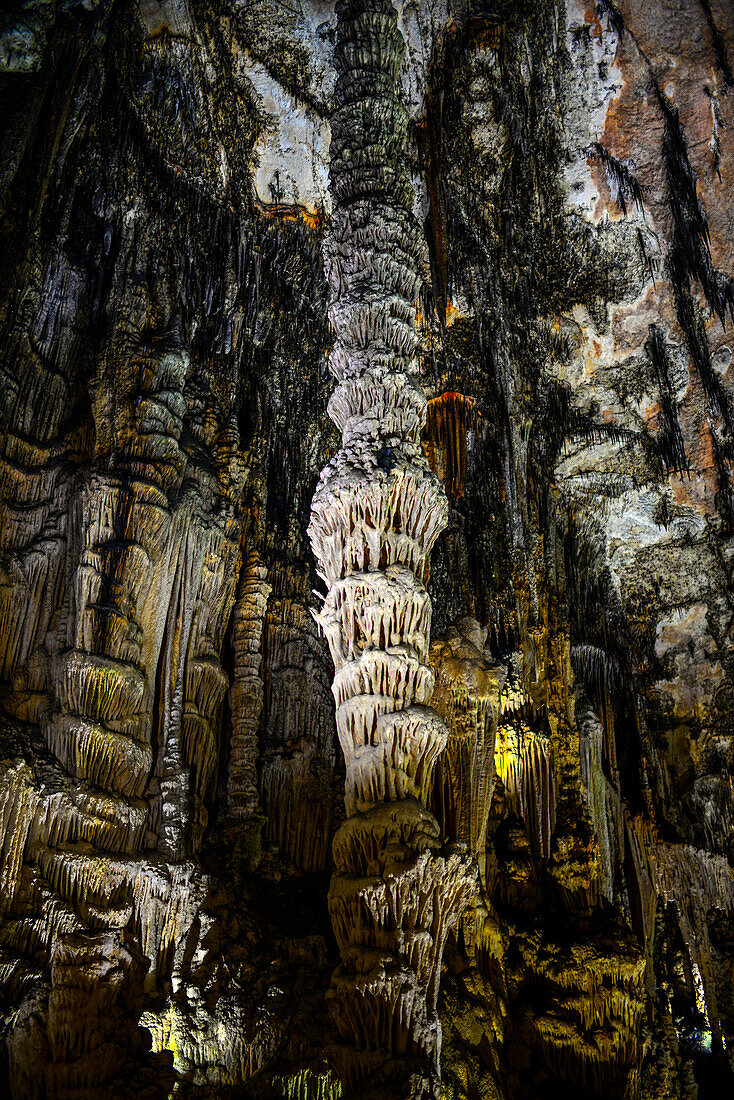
x=490 y=37
x=678 y=52
x=700 y=488
x=652 y=413
x=452 y=312
x=313 y=219
x=448 y=420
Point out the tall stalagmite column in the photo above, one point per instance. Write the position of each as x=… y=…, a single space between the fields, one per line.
x=375 y=516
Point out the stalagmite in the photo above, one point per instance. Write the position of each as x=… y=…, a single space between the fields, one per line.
x=467 y=696
x=376 y=513
x=247 y=691
x=540 y=404
x=299 y=736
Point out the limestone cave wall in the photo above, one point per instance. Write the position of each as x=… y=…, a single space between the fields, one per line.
x=366 y=549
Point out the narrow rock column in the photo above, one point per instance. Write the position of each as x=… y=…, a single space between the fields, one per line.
x=247 y=697
x=375 y=516
x=467 y=696
x=247 y=693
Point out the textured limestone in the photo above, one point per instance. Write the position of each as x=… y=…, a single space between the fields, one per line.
x=171 y=778
x=297 y=782
x=375 y=515
x=247 y=692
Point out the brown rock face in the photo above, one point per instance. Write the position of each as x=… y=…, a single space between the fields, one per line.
x=284 y=813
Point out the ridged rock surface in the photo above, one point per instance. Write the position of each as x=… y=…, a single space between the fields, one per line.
x=376 y=514
x=247 y=787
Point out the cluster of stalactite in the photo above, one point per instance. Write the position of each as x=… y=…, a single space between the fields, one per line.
x=467 y=695
x=559 y=711
x=375 y=516
x=146 y=577
x=566 y=832
x=449 y=420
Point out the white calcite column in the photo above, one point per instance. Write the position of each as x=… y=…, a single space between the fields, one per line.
x=376 y=514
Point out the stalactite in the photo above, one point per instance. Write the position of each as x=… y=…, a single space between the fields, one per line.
x=603 y=797
x=375 y=516
x=467 y=697
x=206 y=682
x=697 y=883
x=449 y=419
x=523 y=763
x=623 y=184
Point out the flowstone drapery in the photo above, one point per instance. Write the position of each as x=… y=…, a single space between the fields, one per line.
x=375 y=516
x=170 y=776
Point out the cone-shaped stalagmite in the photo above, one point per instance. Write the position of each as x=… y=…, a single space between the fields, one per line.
x=375 y=516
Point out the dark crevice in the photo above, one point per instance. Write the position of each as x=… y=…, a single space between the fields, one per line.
x=722 y=57
x=670 y=439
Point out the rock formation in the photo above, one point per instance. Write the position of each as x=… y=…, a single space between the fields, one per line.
x=463 y=834
x=376 y=514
